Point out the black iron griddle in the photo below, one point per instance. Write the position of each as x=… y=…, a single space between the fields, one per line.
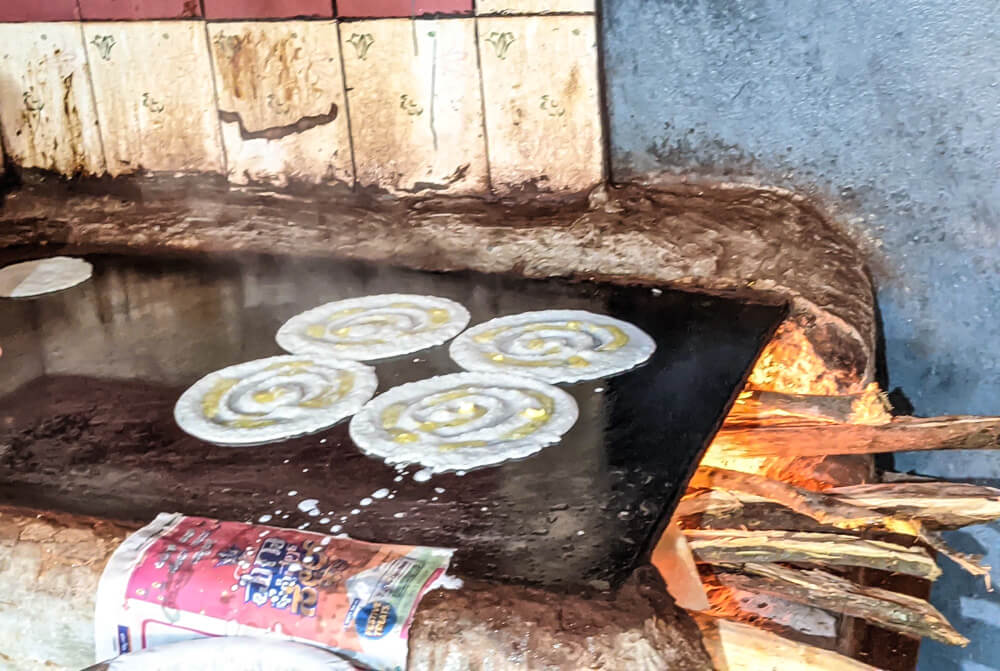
x=89 y=376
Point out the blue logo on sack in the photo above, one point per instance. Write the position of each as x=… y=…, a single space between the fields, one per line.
x=376 y=619
x=124 y=644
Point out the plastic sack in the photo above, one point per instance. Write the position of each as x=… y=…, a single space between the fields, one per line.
x=181 y=577
x=236 y=653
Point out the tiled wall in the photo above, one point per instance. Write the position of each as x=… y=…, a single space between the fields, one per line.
x=407 y=95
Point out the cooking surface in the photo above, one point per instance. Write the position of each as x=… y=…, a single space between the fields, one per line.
x=89 y=376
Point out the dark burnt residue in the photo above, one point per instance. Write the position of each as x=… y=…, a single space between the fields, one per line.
x=277 y=132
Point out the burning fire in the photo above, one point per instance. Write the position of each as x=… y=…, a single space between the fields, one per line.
x=788 y=366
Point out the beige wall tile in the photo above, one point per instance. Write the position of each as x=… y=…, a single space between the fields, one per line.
x=155 y=95
x=533 y=6
x=416 y=112
x=46 y=108
x=281 y=95
x=541 y=89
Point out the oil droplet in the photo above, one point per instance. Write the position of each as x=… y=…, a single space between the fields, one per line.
x=324 y=520
x=399 y=515
x=380 y=493
x=293 y=492
x=422 y=476
x=366 y=501
x=355 y=511
x=264 y=518
x=336 y=528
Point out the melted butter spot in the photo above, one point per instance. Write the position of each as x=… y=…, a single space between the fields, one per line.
x=577 y=361
x=269 y=396
x=210 y=403
x=439 y=316
x=534 y=413
x=618 y=339
x=391 y=415
x=316 y=331
x=447 y=447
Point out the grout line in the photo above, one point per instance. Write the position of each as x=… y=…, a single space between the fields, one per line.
x=603 y=111
x=93 y=99
x=482 y=106
x=347 y=106
x=215 y=95
x=434 y=65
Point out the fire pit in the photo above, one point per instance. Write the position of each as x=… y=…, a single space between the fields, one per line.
x=770 y=513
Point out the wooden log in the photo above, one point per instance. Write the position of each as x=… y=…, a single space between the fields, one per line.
x=51 y=564
x=755 y=406
x=899 y=612
x=820 y=507
x=740 y=647
x=733 y=546
x=902 y=434
x=969 y=563
x=937 y=503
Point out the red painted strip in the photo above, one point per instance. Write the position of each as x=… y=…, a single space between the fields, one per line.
x=133 y=10
x=267 y=9
x=38 y=10
x=384 y=8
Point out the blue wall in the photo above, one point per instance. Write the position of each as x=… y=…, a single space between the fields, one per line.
x=893 y=110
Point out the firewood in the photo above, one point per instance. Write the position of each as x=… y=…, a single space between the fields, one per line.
x=969 y=563
x=754 y=407
x=731 y=546
x=902 y=434
x=937 y=503
x=820 y=507
x=899 y=612
x=711 y=502
x=741 y=647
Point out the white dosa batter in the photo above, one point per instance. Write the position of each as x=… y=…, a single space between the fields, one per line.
x=373 y=327
x=44 y=276
x=463 y=420
x=553 y=345
x=273 y=399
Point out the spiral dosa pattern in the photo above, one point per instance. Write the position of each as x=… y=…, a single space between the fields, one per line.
x=373 y=327
x=463 y=421
x=273 y=399
x=553 y=345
